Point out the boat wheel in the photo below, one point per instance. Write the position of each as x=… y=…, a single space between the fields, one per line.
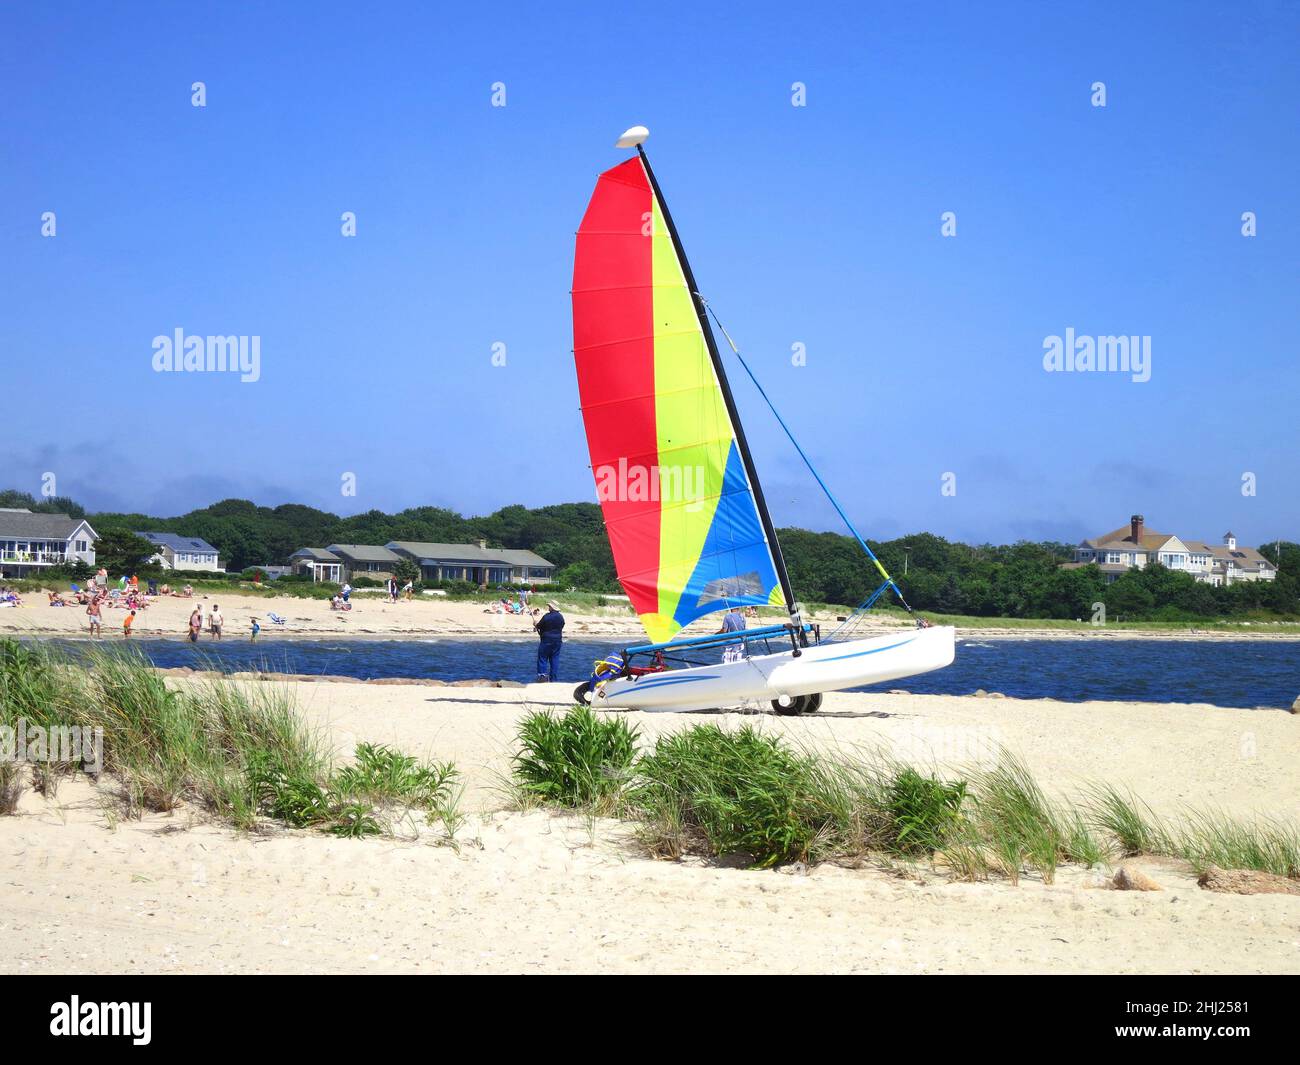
x=582 y=694
x=799 y=704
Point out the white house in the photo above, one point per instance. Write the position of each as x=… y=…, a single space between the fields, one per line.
x=1136 y=546
x=182 y=552
x=32 y=542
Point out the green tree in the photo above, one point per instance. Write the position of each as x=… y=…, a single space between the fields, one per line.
x=123 y=553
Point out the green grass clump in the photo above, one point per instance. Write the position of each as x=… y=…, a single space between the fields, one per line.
x=923 y=811
x=735 y=792
x=1211 y=838
x=1011 y=826
x=240 y=751
x=1128 y=821
x=382 y=775
x=575 y=759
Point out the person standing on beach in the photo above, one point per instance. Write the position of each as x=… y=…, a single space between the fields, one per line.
x=345 y=591
x=101 y=579
x=196 y=624
x=733 y=621
x=215 y=621
x=409 y=589
x=550 y=630
x=96 y=619
x=256 y=629
x=126 y=623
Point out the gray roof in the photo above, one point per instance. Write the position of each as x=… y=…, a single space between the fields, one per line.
x=467 y=553
x=316 y=554
x=444 y=552
x=23 y=524
x=518 y=557
x=364 y=553
x=177 y=542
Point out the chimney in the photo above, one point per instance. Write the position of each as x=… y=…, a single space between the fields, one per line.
x=1135 y=525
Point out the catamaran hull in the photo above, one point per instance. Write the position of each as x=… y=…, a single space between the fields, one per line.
x=762 y=678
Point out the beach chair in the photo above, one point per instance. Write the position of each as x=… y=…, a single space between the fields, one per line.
x=276 y=619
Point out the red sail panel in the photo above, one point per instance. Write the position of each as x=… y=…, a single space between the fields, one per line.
x=614 y=349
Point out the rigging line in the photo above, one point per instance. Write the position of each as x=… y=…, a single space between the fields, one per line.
x=803 y=455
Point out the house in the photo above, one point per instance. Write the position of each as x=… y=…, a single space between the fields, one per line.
x=178 y=552
x=1135 y=546
x=32 y=542
x=344 y=562
x=317 y=563
x=476 y=563
x=362 y=560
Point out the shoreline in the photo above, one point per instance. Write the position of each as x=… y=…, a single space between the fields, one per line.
x=587 y=627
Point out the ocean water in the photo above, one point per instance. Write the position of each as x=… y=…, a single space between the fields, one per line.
x=1242 y=673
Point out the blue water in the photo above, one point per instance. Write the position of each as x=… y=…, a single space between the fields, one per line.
x=1241 y=673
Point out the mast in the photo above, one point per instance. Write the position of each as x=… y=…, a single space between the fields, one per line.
x=742 y=445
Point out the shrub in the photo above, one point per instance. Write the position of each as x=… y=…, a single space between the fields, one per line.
x=923 y=811
x=736 y=792
x=574 y=759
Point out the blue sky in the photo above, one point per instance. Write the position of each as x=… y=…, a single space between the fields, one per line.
x=816 y=225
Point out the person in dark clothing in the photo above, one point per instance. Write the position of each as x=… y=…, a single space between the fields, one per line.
x=550 y=630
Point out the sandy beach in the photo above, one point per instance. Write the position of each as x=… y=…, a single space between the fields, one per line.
x=535 y=891
x=373 y=616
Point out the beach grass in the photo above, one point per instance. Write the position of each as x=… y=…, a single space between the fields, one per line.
x=575 y=759
x=238 y=750
x=744 y=794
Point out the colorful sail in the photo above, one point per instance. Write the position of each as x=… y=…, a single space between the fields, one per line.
x=681 y=517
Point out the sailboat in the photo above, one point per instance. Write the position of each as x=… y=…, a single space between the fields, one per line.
x=684 y=510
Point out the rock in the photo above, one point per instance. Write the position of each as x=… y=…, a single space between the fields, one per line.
x=1295 y=706
x=897 y=691
x=510 y=684
x=996 y=695
x=980 y=693
x=1247 y=882
x=480 y=683
x=1130 y=879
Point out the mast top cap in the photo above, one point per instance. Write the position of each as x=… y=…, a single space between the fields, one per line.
x=632 y=137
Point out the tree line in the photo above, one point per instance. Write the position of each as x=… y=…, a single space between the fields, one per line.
x=1021 y=580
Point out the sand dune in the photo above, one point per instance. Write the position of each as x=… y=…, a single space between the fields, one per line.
x=530 y=892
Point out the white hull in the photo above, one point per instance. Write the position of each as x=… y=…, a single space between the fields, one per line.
x=829 y=667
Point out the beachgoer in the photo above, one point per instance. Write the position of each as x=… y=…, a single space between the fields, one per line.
x=101 y=578
x=408 y=589
x=256 y=629
x=126 y=623
x=733 y=621
x=96 y=620
x=215 y=621
x=196 y=624
x=346 y=591
x=550 y=630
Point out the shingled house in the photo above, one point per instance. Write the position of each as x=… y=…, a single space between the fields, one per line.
x=477 y=563
x=1135 y=546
